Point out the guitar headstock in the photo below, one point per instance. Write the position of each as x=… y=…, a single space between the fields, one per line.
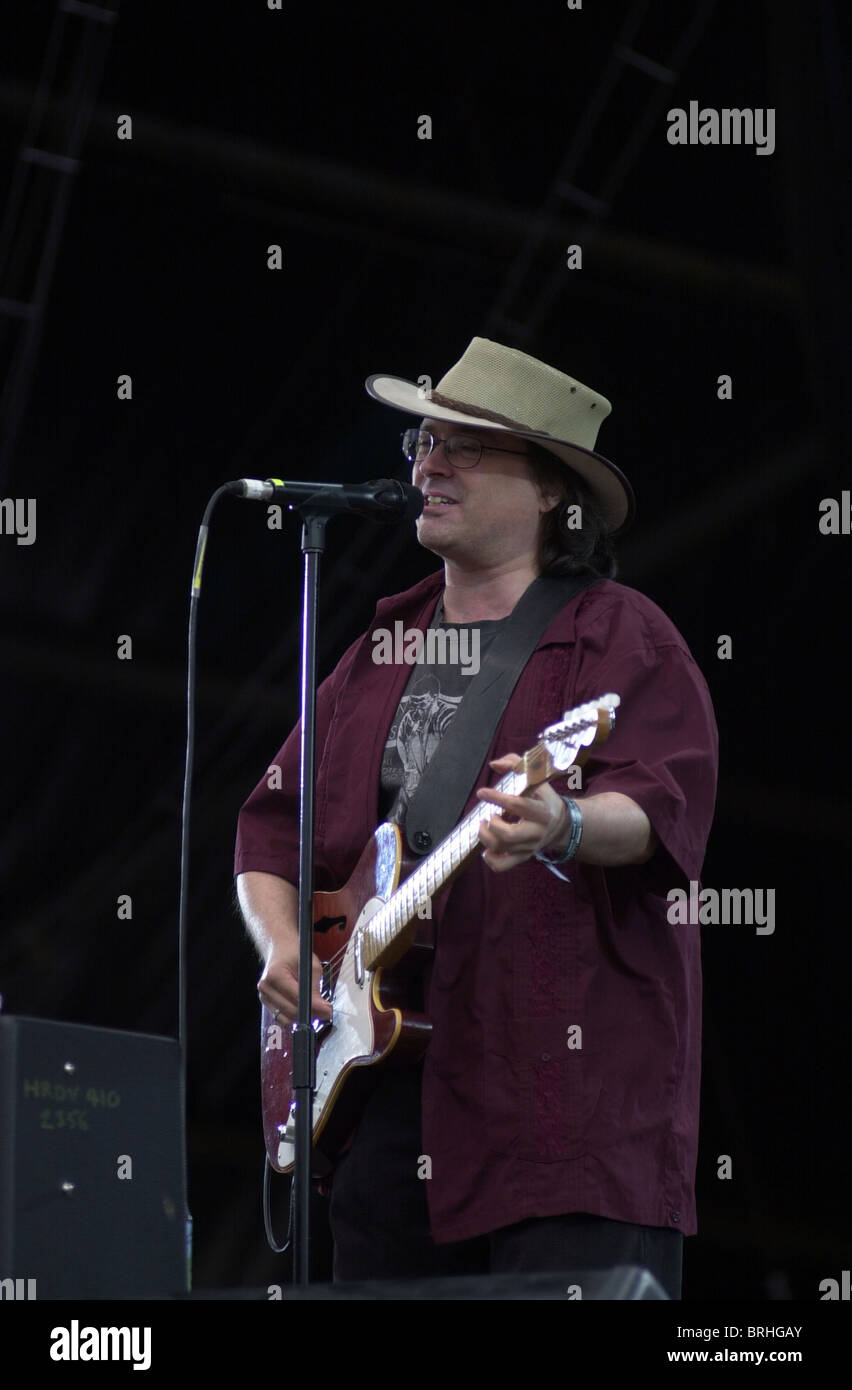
x=578 y=730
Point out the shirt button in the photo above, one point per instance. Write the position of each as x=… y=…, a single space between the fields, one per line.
x=545 y=1056
x=422 y=839
x=675 y=1215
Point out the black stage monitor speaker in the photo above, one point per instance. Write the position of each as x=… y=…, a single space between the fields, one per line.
x=92 y=1188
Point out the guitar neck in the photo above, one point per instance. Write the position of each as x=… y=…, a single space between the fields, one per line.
x=434 y=872
x=561 y=745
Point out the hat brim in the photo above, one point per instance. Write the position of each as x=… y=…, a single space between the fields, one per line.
x=606 y=480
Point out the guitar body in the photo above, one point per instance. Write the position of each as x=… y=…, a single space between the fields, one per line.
x=372 y=940
x=378 y=1014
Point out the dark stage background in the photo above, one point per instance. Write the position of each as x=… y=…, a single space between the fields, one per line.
x=254 y=127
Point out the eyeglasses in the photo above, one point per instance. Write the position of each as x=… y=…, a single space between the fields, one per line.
x=462 y=450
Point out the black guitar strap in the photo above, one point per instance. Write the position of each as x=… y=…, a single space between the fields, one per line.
x=437 y=804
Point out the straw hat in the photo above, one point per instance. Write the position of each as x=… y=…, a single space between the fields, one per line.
x=496 y=387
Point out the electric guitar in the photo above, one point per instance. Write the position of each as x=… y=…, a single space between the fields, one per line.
x=375 y=922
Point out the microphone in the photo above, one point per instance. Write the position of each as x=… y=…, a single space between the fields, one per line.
x=382 y=499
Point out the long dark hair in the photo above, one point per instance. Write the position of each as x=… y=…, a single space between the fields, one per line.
x=562 y=548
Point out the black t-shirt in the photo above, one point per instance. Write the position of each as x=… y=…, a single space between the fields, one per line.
x=427 y=708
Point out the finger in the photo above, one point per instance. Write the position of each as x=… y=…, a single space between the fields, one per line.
x=524 y=807
x=498 y=793
x=497 y=834
x=279 y=982
x=285 y=1009
x=280 y=993
x=517 y=848
x=499 y=861
x=282 y=1008
x=320 y=1008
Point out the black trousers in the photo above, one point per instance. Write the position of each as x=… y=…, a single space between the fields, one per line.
x=380 y=1221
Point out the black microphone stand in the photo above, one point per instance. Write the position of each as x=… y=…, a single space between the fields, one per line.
x=315 y=511
x=314 y=518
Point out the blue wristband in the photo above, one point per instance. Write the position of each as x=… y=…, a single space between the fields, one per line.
x=564 y=856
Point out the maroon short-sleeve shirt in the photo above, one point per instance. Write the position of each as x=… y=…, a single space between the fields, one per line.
x=518 y=1119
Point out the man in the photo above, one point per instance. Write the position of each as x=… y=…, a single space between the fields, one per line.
x=557 y=1104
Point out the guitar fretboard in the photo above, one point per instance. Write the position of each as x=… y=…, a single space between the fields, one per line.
x=394 y=916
